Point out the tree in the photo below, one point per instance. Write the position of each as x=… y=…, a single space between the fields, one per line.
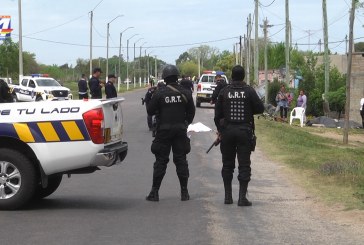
x=9 y=62
x=204 y=53
x=225 y=62
x=188 y=68
x=183 y=58
x=359 y=47
x=337 y=100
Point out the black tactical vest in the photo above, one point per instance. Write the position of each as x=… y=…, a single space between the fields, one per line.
x=236 y=104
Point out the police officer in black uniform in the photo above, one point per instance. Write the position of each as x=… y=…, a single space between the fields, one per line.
x=147 y=98
x=110 y=90
x=176 y=111
x=5 y=95
x=235 y=108
x=95 y=84
x=187 y=83
x=220 y=84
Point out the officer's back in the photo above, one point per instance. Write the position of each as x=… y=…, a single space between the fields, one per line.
x=174 y=105
x=175 y=108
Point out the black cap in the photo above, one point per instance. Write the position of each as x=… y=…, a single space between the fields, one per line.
x=111 y=76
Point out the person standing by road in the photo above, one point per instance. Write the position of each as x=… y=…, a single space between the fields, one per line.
x=302 y=99
x=110 y=89
x=5 y=95
x=187 y=83
x=95 y=84
x=176 y=111
x=235 y=108
x=283 y=103
x=220 y=84
x=362 y=110
x=147 y=98
x=82 y=88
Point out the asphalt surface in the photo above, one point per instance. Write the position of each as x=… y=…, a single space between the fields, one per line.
x=109 y=207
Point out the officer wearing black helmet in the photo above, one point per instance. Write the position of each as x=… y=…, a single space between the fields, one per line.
x=235 y=108
x=176 y=111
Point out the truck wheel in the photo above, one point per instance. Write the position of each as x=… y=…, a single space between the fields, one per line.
x=17 y=179
x=198 y=103
x=53 y=183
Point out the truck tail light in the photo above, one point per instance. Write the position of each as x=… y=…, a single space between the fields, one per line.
x=94 y=120
x=199 y=87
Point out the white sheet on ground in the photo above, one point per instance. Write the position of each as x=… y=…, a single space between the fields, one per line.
x=198 y=127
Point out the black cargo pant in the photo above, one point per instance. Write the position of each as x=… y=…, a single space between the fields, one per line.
x=165 y=140
x=236 y=141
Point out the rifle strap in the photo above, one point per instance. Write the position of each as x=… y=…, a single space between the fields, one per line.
x=176 y=90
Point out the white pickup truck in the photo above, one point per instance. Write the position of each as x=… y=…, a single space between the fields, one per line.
x=206 y=86
x=41 y=141
x=39 y=87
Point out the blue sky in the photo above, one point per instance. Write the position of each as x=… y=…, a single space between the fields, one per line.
x=58 y=32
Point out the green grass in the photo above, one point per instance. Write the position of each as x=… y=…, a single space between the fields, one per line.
x=325 y=166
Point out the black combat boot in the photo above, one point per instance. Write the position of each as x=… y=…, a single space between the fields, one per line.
x=153 y=195
x=228 y=192
x=185 y=196
x=243 y=201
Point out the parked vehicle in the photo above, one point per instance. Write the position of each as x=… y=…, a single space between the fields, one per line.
x=42 y=141
x=39 y=87
x=206 y=86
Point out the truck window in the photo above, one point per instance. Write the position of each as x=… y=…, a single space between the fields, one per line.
x=31 y=84
x=24 y=82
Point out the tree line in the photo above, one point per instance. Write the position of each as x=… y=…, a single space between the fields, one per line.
x=190 y=63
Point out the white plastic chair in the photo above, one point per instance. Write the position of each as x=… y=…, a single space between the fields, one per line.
x=299 y=113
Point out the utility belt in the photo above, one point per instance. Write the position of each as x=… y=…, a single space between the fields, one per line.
x=168 y=126
x=242 y=125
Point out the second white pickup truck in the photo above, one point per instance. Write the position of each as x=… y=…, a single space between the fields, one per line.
x=38 y=87
x=41 y=141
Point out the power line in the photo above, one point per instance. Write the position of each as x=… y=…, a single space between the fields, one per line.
x=65 y=23
x=266 y=6
x=277 y=32
x=54 y=27
x=97 y=5
x=161 y=46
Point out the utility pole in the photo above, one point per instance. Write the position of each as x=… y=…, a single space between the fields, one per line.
x=248 y=57
x=348 y=76
x=326 y=50
x=346 y=44
x=287 y=43
x=107 y=45
x=265 y=29
x=256 y=47
x=240 y=52
x=199 y=64
x=20 y=43
x=309 y=39
x=119 y=70
x=91 y=20
x=155 y=67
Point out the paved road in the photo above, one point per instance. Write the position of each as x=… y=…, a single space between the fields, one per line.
x=108 y=207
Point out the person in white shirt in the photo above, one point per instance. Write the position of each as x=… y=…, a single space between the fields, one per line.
x=361 y=110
